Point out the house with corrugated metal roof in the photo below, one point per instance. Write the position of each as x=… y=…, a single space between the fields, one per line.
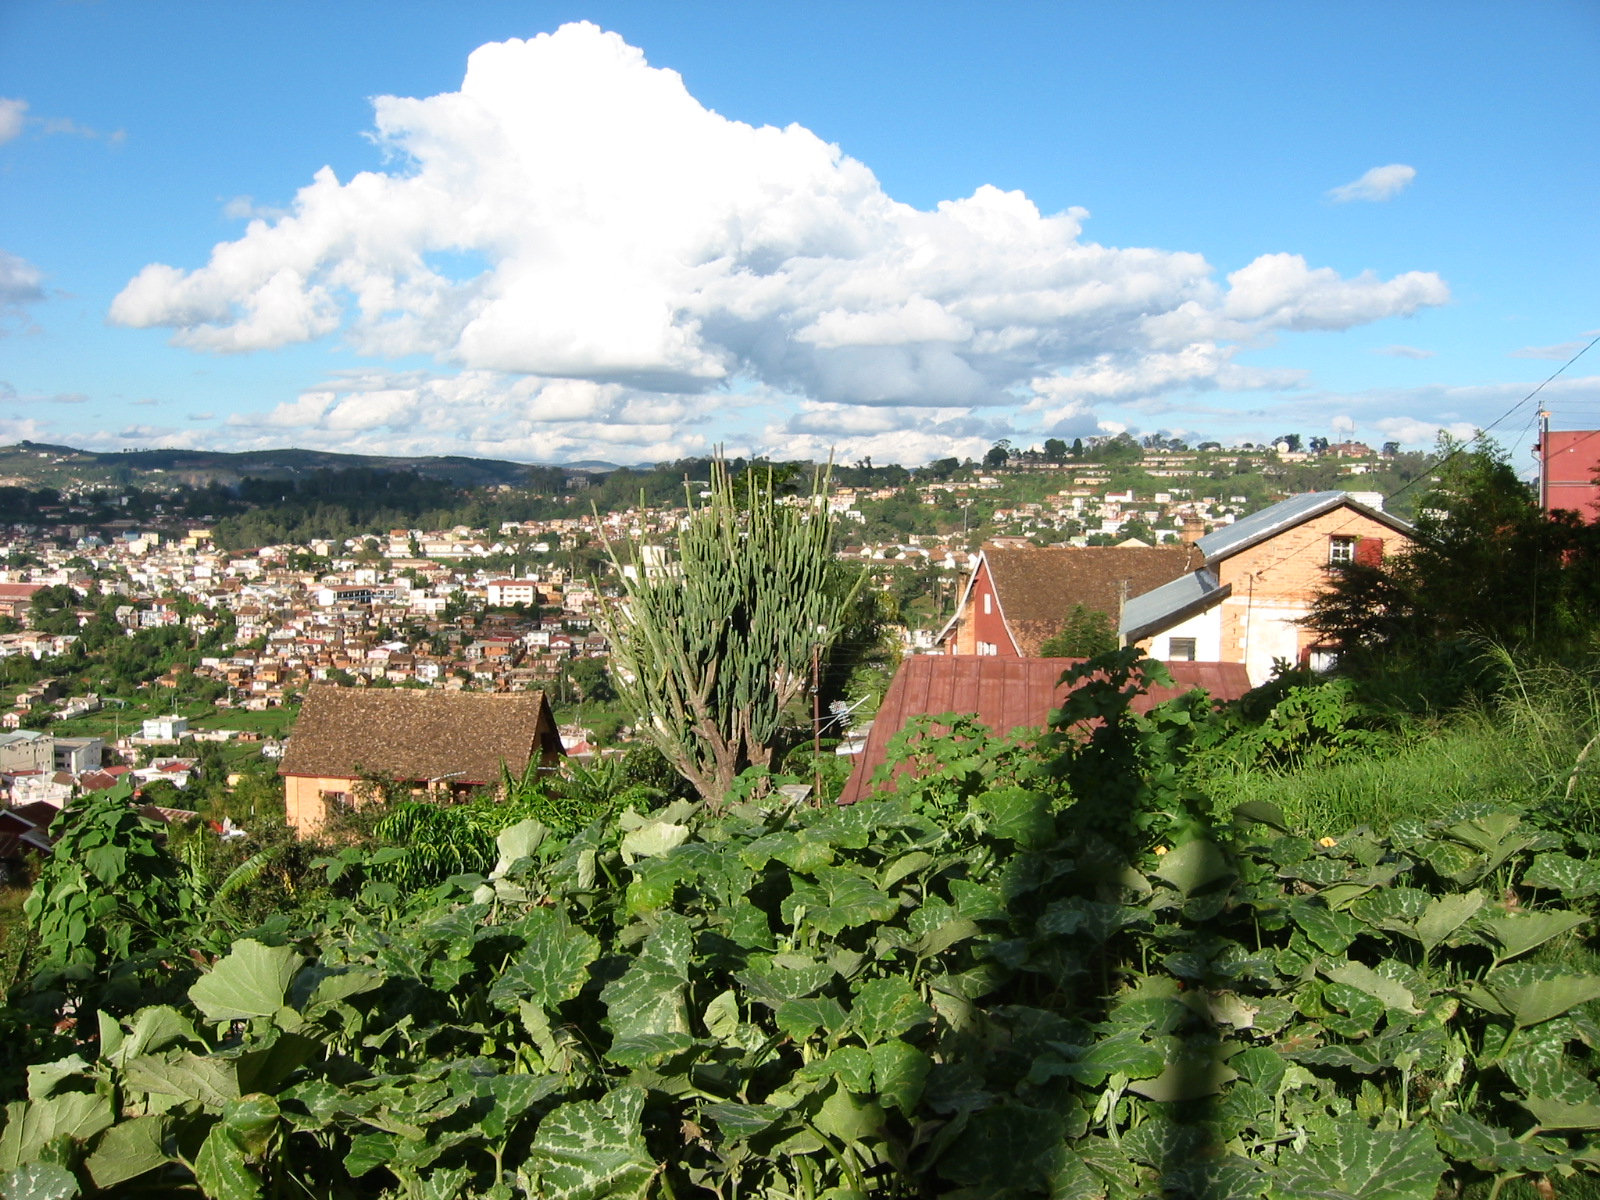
x=1016 y=599
x=1247 y=601
x=1005 y=695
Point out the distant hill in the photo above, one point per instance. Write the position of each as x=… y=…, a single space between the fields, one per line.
x=35 y=465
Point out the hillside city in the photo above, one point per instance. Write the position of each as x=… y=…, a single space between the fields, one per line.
x=164 y=612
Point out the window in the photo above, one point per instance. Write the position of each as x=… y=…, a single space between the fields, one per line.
x=1341 y=550
x=989 y=648
x=1180 y=649
x=988 y=601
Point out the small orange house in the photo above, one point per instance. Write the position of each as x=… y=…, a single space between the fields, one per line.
x=1247 y=602
x=436 y=741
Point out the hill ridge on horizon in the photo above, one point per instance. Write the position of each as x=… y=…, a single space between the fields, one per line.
x=40 y=464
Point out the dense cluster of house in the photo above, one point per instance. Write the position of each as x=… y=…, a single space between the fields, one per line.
x=475 y=643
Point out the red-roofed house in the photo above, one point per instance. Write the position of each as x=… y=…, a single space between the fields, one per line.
x=1005 y=694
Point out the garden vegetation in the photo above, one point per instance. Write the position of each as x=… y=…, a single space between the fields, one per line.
x=1315 y=944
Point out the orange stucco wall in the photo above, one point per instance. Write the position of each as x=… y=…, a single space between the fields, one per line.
x=1275 y=581
x=303 y=805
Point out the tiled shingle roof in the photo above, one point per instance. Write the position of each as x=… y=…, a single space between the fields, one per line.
x=417 y=735
x=1038 y=588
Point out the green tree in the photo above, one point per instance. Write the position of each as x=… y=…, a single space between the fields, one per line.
x=999 y=454
x=1487 y=564
x=709 y=652
x=1086 y=633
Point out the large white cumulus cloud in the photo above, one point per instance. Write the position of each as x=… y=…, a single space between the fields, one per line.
x=573 y=213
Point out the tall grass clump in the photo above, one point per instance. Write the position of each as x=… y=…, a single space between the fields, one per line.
x=1551 y=714
x=1334 y=760
x=1425 y=772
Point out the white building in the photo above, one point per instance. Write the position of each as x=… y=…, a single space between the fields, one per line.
x=166 y=728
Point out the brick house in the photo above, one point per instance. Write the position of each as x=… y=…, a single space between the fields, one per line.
x=1246 y=601
x=1018 y=599
x=424 y=738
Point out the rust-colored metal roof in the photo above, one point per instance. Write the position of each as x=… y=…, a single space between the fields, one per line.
x=1006 y=694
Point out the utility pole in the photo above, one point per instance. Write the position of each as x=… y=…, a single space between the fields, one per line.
x=816 y=718
x=1544 y=461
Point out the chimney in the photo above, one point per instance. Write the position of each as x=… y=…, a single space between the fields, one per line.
x=1193 y=529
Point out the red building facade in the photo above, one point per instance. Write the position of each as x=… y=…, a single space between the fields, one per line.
x=1568 y=461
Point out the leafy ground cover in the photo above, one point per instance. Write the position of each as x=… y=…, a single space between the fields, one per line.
x=1045 y=971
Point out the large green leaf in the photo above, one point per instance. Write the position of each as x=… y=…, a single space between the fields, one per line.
x=1517 y=933
x=1557 y=1089
x=886 y=1008
x=152 y=1029
x=1018 y=815
x=1489 y=1147
x=554 y=965
x=130 y=1149
x=1363 y=1164
x=1574 y=878
x=1126 y=1053
x=743 y=1120
x=32 y=1125
x=592 y=1150
x=223 y=1168
x=771 y=981
x=650 y=996
x=1006 y=1146
x=899 y=1071
x=1357 y=975
x=1446 y=914
x=206 y=1080
x=516 y=842
x=850 y=1117
x=652 y=840
x=222 y=1171
x=1527 y=999
x=513 y=1097
x=1331 y=931
x=840 y=899
x=1193 y=866
x=39 y=1181
x=850 y=1065
x=249 y=982
x=802 y=1018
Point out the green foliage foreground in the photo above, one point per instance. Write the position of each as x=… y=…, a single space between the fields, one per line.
x=980 y=986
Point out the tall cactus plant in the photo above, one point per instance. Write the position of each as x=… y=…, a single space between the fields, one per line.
x=709 y=647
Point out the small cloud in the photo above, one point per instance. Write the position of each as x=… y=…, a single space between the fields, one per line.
x=20 y=286
x=1404 y=352
x=1557 y=353
x=245 y=208
x=12 y=116
x=145 y=401
x=201 y=416
x=67 y=398
x=14 y=119
x=1380 y=183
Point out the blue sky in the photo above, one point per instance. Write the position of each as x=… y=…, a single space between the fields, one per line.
x=897 y=230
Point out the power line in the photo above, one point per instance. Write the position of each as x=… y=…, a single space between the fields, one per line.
x=1482 y=433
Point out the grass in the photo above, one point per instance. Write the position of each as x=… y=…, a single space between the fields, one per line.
x=13 y=933
x=1535 y=747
